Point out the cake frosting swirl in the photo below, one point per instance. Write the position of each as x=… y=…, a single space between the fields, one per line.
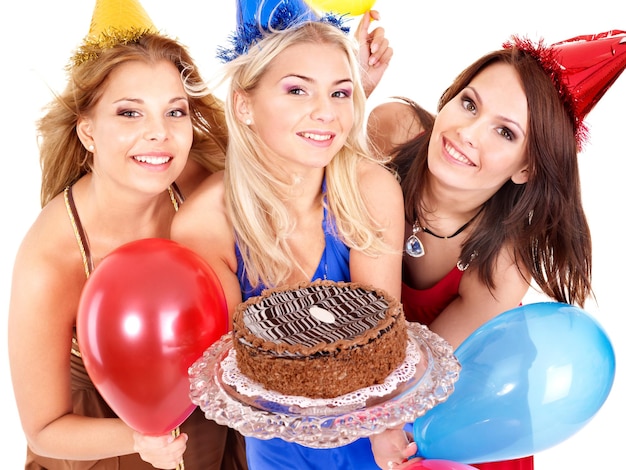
x=320 y=339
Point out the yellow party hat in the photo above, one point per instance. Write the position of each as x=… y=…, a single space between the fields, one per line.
x=113 y=22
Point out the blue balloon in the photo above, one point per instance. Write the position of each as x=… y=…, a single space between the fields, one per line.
x=530 y=378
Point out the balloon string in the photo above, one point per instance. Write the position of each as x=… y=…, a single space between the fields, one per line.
x=181 y=465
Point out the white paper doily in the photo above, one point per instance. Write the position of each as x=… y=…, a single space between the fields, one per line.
x=231 y=375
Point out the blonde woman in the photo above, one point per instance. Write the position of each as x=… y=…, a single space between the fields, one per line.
x=300 y=198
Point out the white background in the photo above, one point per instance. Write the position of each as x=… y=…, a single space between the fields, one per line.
x=433 y=41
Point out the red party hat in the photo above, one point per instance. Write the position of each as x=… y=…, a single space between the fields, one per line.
x=582 y=69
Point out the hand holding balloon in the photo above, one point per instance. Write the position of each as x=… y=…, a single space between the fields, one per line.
x=161 y=451
x=147 y=312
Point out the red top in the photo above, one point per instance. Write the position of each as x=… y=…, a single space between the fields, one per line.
x=424 y=306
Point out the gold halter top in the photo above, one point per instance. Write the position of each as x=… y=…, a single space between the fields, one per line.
x=81 y=237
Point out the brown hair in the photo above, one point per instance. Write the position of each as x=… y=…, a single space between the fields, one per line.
x=543 y=219
x=64 y=160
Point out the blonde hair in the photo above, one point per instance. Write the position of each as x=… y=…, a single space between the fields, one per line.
x=256 y=191
x=63 y=158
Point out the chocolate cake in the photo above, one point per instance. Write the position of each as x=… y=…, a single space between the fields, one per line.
x=319 y=340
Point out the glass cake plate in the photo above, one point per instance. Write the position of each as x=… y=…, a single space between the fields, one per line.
x=322 y=423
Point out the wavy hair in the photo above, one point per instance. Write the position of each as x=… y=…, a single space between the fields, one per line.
x=543 y=219
x=63 y=158
x=256 y=191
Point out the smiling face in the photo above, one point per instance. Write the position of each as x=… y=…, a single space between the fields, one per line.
x=479 y=137
x=140 y=127
x=302 y=107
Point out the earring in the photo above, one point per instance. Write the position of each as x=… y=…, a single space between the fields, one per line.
x=91 y=148
x=248 y=121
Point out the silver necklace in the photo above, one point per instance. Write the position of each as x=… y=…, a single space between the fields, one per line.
x=414 y=246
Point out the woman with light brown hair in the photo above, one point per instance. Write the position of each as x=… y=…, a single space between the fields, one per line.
x=134 y=131
x=492 y=188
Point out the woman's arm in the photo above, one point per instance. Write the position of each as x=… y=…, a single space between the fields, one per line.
x=48 y=278
x=201 y=224
x=383 y=197
x=374 y=52
x=476 y=304
x=42 y=313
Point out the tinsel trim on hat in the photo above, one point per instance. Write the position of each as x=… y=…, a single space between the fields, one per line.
x=546 y=56
x=283 y=17
x=93 y=47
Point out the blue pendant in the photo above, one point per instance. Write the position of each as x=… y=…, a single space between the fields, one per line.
x=414 y=247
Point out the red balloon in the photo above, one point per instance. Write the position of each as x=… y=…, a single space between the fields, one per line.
x=438 y=464
x=149 y=310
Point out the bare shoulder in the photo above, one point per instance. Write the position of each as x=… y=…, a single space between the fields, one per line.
x=392 y=123
x=380 y=187
x=51 y=237
x=202 y=223
x=191 y=177
x=48 y=262
x=209 y=195
x=373 y=175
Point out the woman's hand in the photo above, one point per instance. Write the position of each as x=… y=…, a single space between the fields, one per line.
x=165 y=452
x=374 y=51
x=392 y=449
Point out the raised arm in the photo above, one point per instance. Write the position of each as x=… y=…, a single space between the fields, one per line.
x=374 y=51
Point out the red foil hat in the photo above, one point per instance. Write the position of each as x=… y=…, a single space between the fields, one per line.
x=582 y=69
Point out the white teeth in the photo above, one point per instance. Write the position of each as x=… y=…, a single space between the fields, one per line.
x=316 y=136
x=152 y=160
x=457 y=155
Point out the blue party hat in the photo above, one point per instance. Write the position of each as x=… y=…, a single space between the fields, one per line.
x=256 y=18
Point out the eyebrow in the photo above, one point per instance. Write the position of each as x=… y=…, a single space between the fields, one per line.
x=310 y=79
x=504 y=118
x=139 y=100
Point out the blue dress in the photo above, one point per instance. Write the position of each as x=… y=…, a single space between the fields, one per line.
x=276 y=454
